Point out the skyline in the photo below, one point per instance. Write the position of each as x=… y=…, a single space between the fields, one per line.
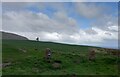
x=81 y=23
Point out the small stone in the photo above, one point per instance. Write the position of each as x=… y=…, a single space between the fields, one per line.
x=56 y=65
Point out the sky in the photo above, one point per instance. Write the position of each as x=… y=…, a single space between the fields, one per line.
x=60 y=0
x=80 y=23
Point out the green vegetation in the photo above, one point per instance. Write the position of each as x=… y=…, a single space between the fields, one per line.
x=74 y=59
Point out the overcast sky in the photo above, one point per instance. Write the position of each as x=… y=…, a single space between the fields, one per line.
x=81 y=23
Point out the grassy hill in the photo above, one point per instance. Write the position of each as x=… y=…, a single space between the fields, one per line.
x=27 y=58
x=12 y=36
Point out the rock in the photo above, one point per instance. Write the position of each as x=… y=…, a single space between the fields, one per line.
x=6 y=64
x=23 y=50
x=35 y=70
x=91 y=55
x=56 y=65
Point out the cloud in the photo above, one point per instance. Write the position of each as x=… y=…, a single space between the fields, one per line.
x=91 y=31
x=0 y=16
x=54 y=36
x=14 y=6
x=60 y=0
x=88 y=10
x=43 y=0
x=113 y=28
x=20 y=21
x=106 y=22
x=21 y=0
x=80 y=38
x=60 y=27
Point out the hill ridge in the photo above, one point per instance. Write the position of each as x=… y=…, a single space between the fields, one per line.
x=12 y=36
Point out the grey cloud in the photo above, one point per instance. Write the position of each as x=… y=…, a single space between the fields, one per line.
x=60 y=0
x=30 y=22
x=0 y=16
x=14 y=6
x=108 y=33
x=91 y=31
x=35 y=1
x=105 y=22
x=88 y=10
x=21 y=6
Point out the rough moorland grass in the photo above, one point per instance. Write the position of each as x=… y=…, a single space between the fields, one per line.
x=73 y=59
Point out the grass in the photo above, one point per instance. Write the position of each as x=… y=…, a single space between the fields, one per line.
x=73 y=57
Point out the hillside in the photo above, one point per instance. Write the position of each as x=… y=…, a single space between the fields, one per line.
x=27 y=58
x=11 y=36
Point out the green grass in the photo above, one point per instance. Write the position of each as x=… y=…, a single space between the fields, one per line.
x=73 y=57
